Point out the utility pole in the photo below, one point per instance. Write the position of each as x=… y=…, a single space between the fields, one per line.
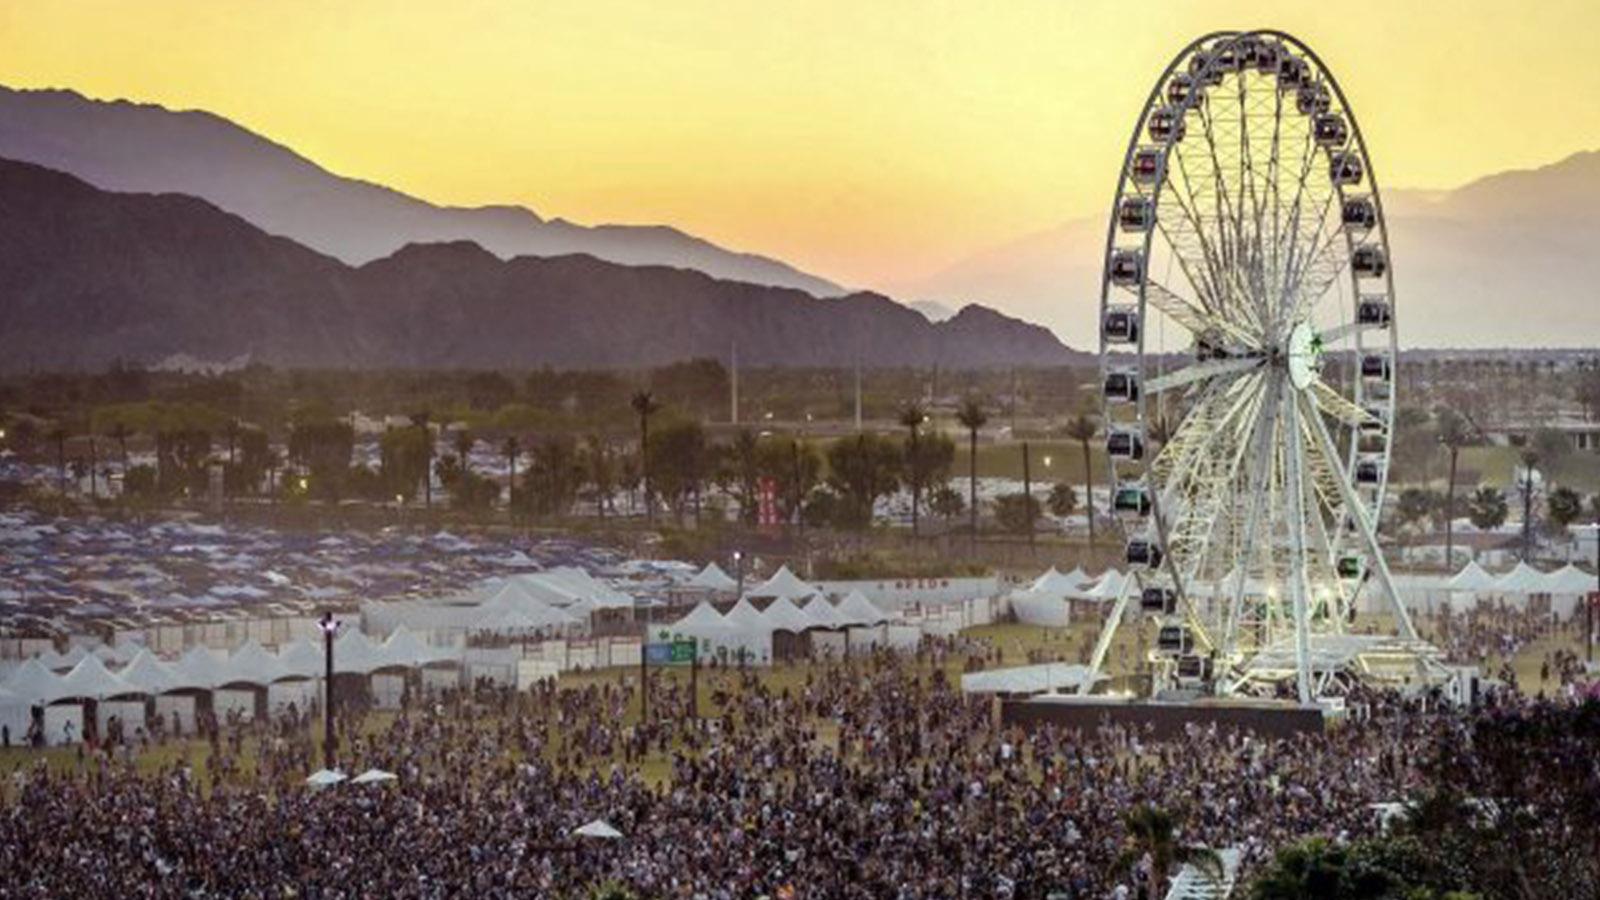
x=733 y=413
x=858 y=395
x=1027 y=493
x=1527 y=509
x=330 y=627
x=644 y=676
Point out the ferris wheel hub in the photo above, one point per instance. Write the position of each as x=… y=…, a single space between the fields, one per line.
x=1303 y=356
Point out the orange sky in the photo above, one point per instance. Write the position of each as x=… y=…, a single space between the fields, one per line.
x=867 y=142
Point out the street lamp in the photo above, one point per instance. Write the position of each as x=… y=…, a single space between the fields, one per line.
x=330 y=628
x=738 y=565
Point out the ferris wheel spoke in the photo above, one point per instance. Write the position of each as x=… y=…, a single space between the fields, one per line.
x=1199 y=322
x=1203 y=371
x=1335 y=404
x=1338 y=333
x=1258 y=484
x=1364 y=529
x=1189 y=241
x=1211 y=492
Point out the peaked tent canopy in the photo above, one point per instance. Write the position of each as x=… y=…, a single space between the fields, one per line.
x=783 y=615
x=150 y=675
x=35 y=683
x=1523 y=579
x=858 y=610
x=91 y=679
x=1569 y=579
x=201 y=668
x=745 y=615
x=303 y=658
x=599 y=828
x=1472 y=577
x=252 y=664
x=823 y=614
x=784 y=585
x=712 y=578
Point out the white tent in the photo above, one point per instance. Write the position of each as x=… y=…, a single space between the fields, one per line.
x=1569 y=579
x=1471 y=579
x=745 y=615
x=1052 y=583
x=200 y=668
x=150 y=675
x=374 y=776
x=712 y=578
x=823 y=614
x=1041 y=608
x=1522 y=579
x=784 y=585
x=856 y=609
x=717 y=634
x=92 y=680
x=36 y=684
x=404 y=648
x=304 y=659
x=353 y=653
x=783 y=615
x=252 y=664
x=1107 y=588
x=16 y=716
x=599 y=828
x=703 y=621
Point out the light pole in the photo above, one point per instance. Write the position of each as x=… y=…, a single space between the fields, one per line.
x=738 y=567
x=330 y=628
x=1594 y=598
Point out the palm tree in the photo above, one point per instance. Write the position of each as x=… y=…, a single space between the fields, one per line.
x=1453 y=435
x=1153 y=832
x=912 y=416
x=120 y=432
x=420 y=420
x=464 y=443
x=972 y=417
x=511 y=449
x=232 y=432
x=1082 y=429
x=644 y=406
x=58 y=434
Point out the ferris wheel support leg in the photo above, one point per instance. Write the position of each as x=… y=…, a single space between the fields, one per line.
x=1297 y=549
x=1358 y=514
x=1109 y=629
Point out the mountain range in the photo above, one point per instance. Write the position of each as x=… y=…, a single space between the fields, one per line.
x=124 y=146
x=1507 y=260
x=89 y=276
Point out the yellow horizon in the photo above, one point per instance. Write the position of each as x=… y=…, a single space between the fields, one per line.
x=867 y=143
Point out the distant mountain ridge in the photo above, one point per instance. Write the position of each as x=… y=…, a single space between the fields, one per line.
x=88 y=277
x=1507 y=260
x=125 y=146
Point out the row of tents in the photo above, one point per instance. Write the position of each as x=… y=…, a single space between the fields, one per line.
x=245 y=680
x=783 y=627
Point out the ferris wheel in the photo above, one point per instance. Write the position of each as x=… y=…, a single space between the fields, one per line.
x=1248 y=356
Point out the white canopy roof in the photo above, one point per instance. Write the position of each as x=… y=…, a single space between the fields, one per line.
x=783 y=615
x=354 y=653
x=1107 y=588
x=373 y=776
x=1569 y=579
x=856 y=609
x=745 y=615
x=1033 y=679
x=712 y=578
x=1472 y=577
x=599 y=828
x=34 y=682
x=404 y=648
x=150 y=675
x=303 y=658
x=823 y=614
x=1523 y=579
x=784 y=584
x=202 y=668
x=90 y=678
x=252 y=664
x=325 y=777
x=1054 y=584
x=703 y=622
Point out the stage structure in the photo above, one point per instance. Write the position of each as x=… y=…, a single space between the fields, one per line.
x=1248 y=361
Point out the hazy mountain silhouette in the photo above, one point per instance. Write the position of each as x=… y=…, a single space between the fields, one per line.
x=89 y=276
x=123 y=146
x=1509 y=259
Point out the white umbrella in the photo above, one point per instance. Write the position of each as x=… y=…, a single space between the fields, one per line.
x=599 y=828
x=324 y=778
x=374 y=776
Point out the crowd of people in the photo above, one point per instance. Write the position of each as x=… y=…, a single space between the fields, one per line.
x=873 y=778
